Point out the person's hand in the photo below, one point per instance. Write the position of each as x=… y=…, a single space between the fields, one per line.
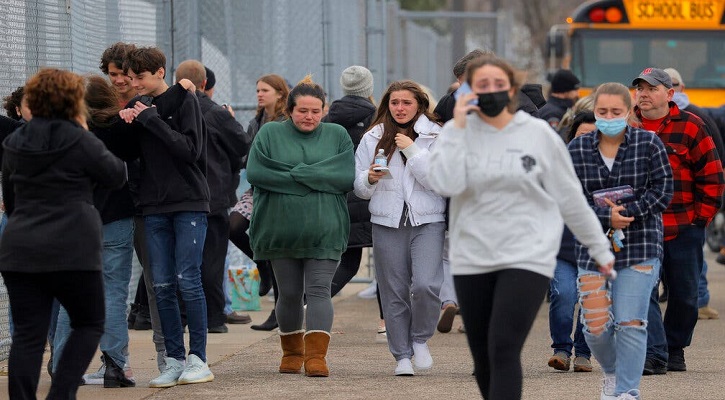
x=228 y=108
x=188 y=85
x=462 y=108
x=127 y=114
x=402 y=141
x=374 y=176
x=617 y=220
x=608 y=270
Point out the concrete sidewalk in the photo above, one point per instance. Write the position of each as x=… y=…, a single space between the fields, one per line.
x=245 y=364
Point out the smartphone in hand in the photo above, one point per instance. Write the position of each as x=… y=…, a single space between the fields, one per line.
x=464 y=89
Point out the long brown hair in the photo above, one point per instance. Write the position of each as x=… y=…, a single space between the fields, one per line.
x=101 y=101
x=385 y=117
x=280 y=86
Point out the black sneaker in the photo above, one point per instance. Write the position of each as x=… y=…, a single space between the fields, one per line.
x=652 y=367
x=676 y=361
x=218 y=329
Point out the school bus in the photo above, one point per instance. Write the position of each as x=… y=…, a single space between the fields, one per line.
x=614 y=40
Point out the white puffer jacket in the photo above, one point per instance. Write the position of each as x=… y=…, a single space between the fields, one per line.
x=409 y=181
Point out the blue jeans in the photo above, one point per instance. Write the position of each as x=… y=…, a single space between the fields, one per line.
x=607 y=306
x=703 y=293
x=117 y=256
x=681 y=268
x=175 y=243
x=564 y=296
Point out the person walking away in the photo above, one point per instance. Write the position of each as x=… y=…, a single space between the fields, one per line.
x=617 y=156
x=301 y=170
x=698 y=183
x=408 y=221
x=512 y=186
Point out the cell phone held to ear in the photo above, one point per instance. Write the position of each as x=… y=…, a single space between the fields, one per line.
x=146 y=100
x=464 y=89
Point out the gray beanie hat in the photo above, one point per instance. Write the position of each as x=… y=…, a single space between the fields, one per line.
x=357 y=81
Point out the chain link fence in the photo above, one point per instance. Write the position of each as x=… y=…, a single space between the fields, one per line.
x=241 y=40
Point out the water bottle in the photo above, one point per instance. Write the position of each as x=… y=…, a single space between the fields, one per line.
x=381 y=159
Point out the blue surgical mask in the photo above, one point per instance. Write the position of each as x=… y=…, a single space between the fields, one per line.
x=611 y=127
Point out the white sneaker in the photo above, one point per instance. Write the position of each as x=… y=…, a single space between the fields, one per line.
x=404 y=368
x=630 y=395
x=421 y=356
x=369 y=292
x=609 y=384
x=381 y=336
x=171 y=374
x=196 y=371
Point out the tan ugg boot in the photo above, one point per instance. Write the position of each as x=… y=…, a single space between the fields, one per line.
x=293 y=352
x=316 y=343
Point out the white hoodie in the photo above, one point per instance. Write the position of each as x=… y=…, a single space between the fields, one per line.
x=509 y=190
x=409 y=181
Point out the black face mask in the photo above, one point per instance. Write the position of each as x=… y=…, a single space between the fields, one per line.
x=492 y=104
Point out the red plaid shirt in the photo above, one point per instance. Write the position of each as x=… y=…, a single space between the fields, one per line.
x=696 y=170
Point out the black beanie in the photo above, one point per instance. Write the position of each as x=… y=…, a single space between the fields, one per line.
x=210 y=79
x=564 y=81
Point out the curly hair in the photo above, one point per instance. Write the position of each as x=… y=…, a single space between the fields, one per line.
x=12 y=102
x=55 y=93
x=115 y=54
x=385 y=117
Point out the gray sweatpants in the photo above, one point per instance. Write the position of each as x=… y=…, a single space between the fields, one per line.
x=448 y=291
x=409 y=271
x=304 y=277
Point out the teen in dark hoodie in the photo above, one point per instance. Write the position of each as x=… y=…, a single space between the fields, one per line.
x=174 y=200
x=51 y=165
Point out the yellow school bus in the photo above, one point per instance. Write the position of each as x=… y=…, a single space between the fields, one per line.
x=614 y=40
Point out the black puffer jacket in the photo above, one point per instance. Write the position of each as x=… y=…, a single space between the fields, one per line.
x=355 y=114
x=50 y=167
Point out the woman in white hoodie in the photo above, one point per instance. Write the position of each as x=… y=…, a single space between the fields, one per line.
x=512 y=184
x=408 y=221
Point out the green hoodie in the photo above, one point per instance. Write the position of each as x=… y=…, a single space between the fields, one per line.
x=300 y=181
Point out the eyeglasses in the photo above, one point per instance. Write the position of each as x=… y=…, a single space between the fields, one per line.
x=675 y=84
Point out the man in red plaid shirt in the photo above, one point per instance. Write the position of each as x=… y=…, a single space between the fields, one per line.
x=698 y=189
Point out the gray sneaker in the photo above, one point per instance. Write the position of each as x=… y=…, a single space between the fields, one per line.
x=170 y=376
x=96 y=378
x=196 y=371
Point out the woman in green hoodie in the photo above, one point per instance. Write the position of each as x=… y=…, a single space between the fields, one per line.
x=301 y=170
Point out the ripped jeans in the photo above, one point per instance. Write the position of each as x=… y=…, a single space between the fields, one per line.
x=175 y=243
x=614 y=315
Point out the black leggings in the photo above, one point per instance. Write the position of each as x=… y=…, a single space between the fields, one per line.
x=347 y=269
x=498 y=310
x=31 y=301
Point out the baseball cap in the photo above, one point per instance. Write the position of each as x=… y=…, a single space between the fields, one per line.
x=655 y=77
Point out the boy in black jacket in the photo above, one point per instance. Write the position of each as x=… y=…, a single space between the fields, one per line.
x=174 y=200
x=227 y=144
